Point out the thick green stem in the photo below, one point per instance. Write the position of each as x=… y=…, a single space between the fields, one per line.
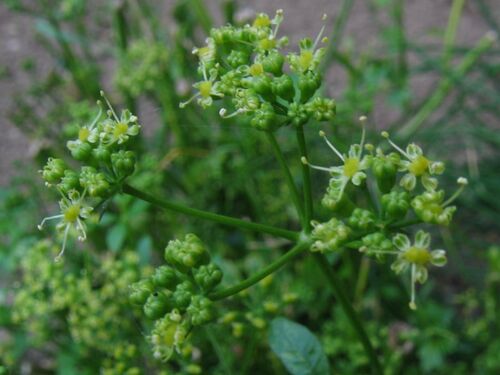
x=266 y=271
x=306 y=178
x=221 y=219
x=289 y=178
x=353 y=317
x=444 y=87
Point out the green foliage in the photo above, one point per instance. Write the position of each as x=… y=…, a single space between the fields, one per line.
x=299 y=350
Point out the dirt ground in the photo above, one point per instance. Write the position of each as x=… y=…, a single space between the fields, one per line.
x=422 y=18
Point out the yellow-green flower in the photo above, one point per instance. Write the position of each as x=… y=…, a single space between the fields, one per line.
x=74 y=211
x=417 y=166
x=418 y=257
x=354 y=165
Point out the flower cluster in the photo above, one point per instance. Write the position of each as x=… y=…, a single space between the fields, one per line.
x=55 y=299
x=142 y=67
x=103 y=149
x=175 y=296
x=247 y=65
x=396 y=199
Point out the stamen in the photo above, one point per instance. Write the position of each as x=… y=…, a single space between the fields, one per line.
x=61 y=253
x=362 y=119
x=91 y=126
x=83 y=235
x=386 y=135
x=412 y=303
x=463 y=182
x=110 y=107
x=183 y=104
x=320 y=35
x=279 y=19
x=304 y=161
x=223 y=111
x=40 y=226
x=322 y=134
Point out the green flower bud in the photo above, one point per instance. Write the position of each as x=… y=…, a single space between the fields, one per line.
x=308 y=84
x=377 y=243
x=264 y=118
x=329 y=236
x=123 y=162
x=80 y=150
x=157 y=305
x=208 y=276
x=396 y=204
x=200 y=310
x=297 y=113
x=231 y=81
x=187 y=254
x=283 y=87
x=53 y=171
x=336 y=199
x=165 y=277
x=94 y=182
x=322 y=109
x=273 y=62
x=430 y=209
x=385 y=168
x=69 y=181
x=140 y=291
x=101 y=153
x=362 y=219
x=183 y=294
x=261 y=84
x=237 y=58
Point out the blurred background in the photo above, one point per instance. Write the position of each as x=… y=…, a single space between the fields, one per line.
x=427 y=70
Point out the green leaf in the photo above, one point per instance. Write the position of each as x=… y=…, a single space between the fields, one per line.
x=116 y=237
x=299 y=350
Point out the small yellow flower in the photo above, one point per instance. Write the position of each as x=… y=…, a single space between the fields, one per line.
x=73 y=214
x=417 y=166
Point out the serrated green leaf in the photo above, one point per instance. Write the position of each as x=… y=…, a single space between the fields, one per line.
x=298 y=349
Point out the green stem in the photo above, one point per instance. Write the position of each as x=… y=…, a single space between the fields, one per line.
x=451 y=30
x=203 y=15
x=405 y=223
x=219 y=351
x=121 y=31
x=266 y=271
x=289 y=178
x=338 y=31
x=402 y=64
x=221 y=219
x=444 y=87
x=351 y=314
x=306 y=178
